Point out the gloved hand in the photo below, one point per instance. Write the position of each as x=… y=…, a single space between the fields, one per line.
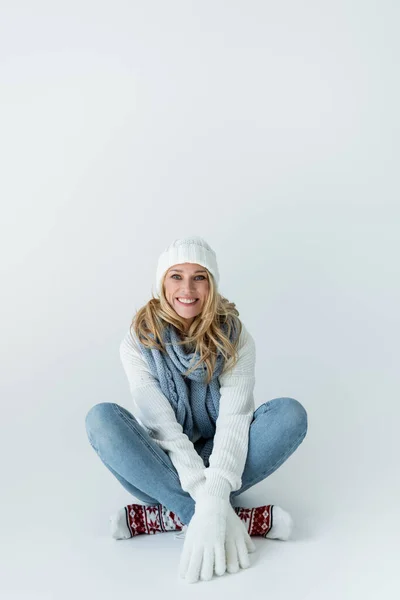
x=238 y=543
x=204 y=546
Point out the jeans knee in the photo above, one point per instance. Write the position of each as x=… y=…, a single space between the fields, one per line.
x=296 y=414
x=96 y=417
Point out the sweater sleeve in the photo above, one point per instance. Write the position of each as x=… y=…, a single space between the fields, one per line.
x=153 y=411
x=236 y=411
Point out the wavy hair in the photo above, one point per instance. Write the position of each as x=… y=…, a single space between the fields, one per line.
x=205 y=335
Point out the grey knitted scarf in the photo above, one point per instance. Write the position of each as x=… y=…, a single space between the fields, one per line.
x=194 y=402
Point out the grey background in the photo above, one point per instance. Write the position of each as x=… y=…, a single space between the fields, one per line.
x=272 y=130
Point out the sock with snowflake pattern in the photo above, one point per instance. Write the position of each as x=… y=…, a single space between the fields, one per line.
x=269 y=521
x=136 y=519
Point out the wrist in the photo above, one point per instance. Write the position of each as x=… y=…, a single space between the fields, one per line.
x=195 y=491
x=217 y=486
x=206 y=504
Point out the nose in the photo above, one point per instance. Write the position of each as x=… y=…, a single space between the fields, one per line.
x=188 y=291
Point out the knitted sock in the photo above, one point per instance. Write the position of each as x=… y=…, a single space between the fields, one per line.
x=135 y=519
x=269 y=521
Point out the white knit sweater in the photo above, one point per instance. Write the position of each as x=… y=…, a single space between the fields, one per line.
x=153 y=412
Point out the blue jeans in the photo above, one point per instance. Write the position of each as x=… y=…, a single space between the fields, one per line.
x=146 y=471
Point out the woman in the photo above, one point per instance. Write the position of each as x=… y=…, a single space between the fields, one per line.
x=194 y=440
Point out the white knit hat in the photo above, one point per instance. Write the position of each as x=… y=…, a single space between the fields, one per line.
x=193 y=249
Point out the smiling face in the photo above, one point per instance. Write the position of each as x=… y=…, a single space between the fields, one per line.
x=190 y=281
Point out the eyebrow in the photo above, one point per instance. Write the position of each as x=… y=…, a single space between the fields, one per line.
x=181 y=271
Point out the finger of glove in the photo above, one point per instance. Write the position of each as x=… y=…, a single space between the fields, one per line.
x=220 y=558
x=249 y=542
x=251 y=547
x=232 y=559
x=207 y=568
x=185 y=558
x=243 y=554
x=195 y=564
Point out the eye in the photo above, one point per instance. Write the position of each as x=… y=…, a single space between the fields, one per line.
x=176 y=275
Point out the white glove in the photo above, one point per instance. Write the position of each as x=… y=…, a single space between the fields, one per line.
x=238 y=543
x=204 y=546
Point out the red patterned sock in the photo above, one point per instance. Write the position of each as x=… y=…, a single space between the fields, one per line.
x=137 y=519
x=258 y=520
x=269 y=521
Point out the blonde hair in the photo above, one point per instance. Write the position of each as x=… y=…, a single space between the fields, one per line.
x=205 y=335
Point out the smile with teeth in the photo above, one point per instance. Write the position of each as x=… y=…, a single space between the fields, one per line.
x=187 y=300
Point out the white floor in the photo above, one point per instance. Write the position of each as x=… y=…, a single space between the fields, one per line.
x=56 y=545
